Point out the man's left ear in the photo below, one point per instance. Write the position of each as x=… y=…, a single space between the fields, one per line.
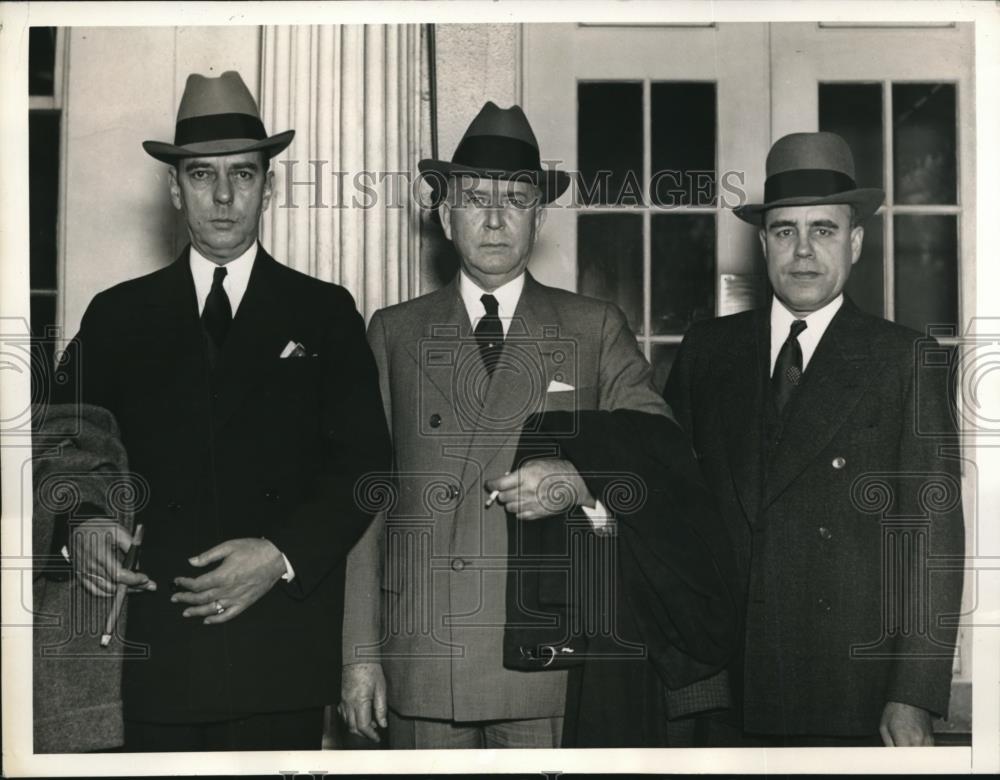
x=857 y=237
x=540 y=211
x=268 y=189
x=174 y=187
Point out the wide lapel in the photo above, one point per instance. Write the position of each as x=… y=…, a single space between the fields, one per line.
x=741 y=389
x=837 y=376
x=175 y=322
x=254 y=339
x=519 y=385
x=441 y=345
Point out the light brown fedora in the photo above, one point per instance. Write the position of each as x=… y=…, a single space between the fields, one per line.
x=217 y=116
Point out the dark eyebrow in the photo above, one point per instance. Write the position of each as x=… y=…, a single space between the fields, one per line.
x=827 y=223
x=781 y=223
x=244 y=166
x=193 y=165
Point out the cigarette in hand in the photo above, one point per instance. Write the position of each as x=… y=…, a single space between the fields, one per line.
x=494 y=494
x=131 y=563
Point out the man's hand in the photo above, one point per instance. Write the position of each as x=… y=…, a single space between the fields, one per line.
x=904 y=725
x=362 y=699
x=248 y=569
x=97 y=548
x=542 y=488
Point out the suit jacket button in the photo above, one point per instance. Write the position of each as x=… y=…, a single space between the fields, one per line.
x=824 y=605
x=271 y=495
x=173 y=506
x=457 y=564
x=838 y=462
x=825 y=532
x=435 y=421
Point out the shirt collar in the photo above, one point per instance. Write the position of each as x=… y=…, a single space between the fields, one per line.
x=819 y=320
x=816 y=324
x=507 y=296
x=237 y=275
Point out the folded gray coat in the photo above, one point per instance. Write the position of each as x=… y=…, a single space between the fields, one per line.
x=79 y=468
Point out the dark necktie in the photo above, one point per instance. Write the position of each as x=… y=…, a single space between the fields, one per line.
x=218 y=314
x=788 y=367
x=489 y=333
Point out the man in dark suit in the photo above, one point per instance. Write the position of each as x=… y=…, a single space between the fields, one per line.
x=820 y=431
x=249 y=403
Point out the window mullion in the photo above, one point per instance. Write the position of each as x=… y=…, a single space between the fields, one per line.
x=888 y=226
x=647 y=235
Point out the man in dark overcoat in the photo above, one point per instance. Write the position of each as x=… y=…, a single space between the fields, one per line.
x=248 y=402
x=823 y=433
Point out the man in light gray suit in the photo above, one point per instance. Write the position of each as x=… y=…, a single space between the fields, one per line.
x=461 y=370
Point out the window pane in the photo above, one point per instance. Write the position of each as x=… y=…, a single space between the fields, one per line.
x=866 y=284
x=41 y=60
x=609 y=147
x=923 y=138
x=43 y=190
x=683 y=272
x=926 y=270
x=662 y=359
x=854 y=111
x=609 y=261
x=683 y=143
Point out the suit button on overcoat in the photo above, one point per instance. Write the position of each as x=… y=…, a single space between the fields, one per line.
x=457 y=564
x=271 y=495
x=825 y=532
x=824 y=605
x=838 y=462
x=435 y=421
x=174 y=506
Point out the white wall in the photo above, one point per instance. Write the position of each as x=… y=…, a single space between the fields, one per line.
x=123 y=86
x=475 y=63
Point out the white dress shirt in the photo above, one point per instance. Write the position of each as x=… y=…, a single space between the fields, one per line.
x=507 y=296
x=816 y=324
x=235 y=285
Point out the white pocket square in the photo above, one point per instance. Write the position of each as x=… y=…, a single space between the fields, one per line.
x=559 y=387
x=293 y=349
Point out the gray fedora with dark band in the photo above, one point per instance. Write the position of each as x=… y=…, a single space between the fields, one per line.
x=811 y=169
x=217 y=116
x=499 y=144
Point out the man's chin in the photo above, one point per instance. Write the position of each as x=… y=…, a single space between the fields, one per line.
x=224 y=247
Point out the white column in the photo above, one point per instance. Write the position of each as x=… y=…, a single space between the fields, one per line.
x=352 y=94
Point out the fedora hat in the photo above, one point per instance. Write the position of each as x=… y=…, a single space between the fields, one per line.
x=499 y=144
x=217 y=116
x=811 y=169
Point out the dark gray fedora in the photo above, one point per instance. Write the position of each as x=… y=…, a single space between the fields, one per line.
x=499 y=144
